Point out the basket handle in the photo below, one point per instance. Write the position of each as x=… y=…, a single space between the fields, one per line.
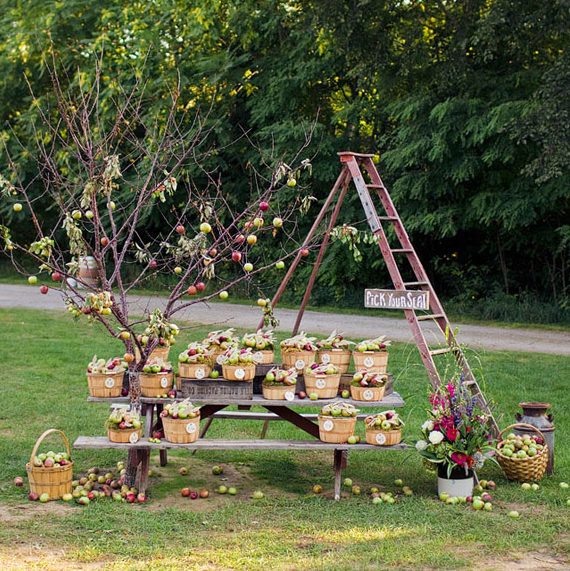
x=523 y=425
x=41 y=438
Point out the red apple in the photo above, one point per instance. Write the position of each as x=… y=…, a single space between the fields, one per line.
x=204 y=493
x=264 y=206
x=200 y=286
x=194 y=495
x=305 y=252
x=240 y=239
x=18 y=481
x=141 y=498
x=180 y=229
x=56 y=277
x=33 y=497
x=124 y=392
x=131 y=498
x=185 y=492
x=213 y=252
x=192 y=290
x=44 y=289
x=236 y=257
x=104 y=241
x=302 y=395
x=153 y=264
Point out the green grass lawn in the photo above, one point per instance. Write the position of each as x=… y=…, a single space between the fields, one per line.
x=43 y=385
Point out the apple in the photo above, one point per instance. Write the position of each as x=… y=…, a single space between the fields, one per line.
x=313 y=396
x=200 y=286
x=55 y=277
x=409 y=492
x=239 y=239
x=258 y=495
x=76 y=214
x=183 y=471
x=205 y=228
x=194 y=495
x=223 y=295
x=486 y=497
x=347 y=482
x=44 y=498
x=232 y=491
x=264 y=206
x=304 y=252
x=563 y=485
x=124 y=335
x=236 y=257
x=356 y=490
x=280 y=264
x=248 y=267
x=535 y=487
x=18 y=481
x=141 y=498
x=514 y=514
x=32 y=280
x=217 y=470
x=111 y=205
x=83 y=501
x=17 y=207
x=317 y=489
x=398 y=483
x=204 y=493
x=345 y=394
x=291 y=183
x=252 y=239
x=222 y=489
x=214 y=374
x=67 y=497
x=488 y=507
x=277 y=222
x=153 y=264
x=89 y=214
x=377 y=500
x=131 y=498
x=526 y=486
x=104 y=241
x=478 y=505
x=483 y=483
x=261 y=302
x=180 y=229
x=491 y=485
x=302 y=395
x=258 y=222
x=443 y=496
x=177 y=270
x=33 y=497
x=192 y=290
x=185 y=492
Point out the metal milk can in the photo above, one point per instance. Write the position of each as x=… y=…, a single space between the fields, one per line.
x=534 y=413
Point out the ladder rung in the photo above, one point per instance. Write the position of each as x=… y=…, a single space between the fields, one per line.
x=469 y=383
x=402 y=251
x=388 y=218
x=441 y=351
x=375 y=185
x=416 y=283
x=432 y=316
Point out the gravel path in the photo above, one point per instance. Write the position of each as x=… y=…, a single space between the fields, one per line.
x=353 y=326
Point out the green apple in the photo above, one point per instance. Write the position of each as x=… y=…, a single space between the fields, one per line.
x=248 y=267
x=535 y=487
x=44 y=498
x=89 y=214
x=257 y=495
x=314 y=396
x=280 y=264
x=112 y=205
x=526 y=486
x=347 y=482
x=277 y=222
x=205 y=228
x=17 y=207
x=32 y=280
x=478 y=505
x=514 y=514
x=291 y=183
x=214 y=374
x=217 y=470
x=352 y=439
x=232 y=491
x=222 y=490
x=377 y=500
x=177 y=270
x=76 y=214
x=67 y=497
x=356 y=490
x=488 y=507
x=345 y=394
x=398 y=483
x=261 y=302
x=443 y=496
x=223 y=295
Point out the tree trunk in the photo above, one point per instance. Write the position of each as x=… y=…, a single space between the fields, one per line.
x=135 y=396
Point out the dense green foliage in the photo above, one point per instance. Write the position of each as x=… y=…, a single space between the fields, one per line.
x=465 y=103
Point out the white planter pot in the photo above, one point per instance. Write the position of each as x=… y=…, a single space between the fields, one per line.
x=456 y=488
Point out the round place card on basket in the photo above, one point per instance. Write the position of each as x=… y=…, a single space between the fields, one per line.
x=190 y=428
x=320 y=383
x=109 y=382
x=289 y=395
x=328 y=425
x=326 y=359
x=299 y=364
x=220 y=359
x=258 y=357
x=200 y=373
x=164 y=382
x=369 y=362
x=134 y=437
x=368 y=394
x=380 y=438
x=240 y=374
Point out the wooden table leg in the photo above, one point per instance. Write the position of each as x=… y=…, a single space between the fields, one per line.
x=163 y=454
x=295 y=418
x=264 y=429
x=143 y=471
x=340 y=462
x=148 y=412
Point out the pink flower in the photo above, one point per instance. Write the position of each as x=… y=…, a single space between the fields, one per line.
x=452 y=434
x=459 y=458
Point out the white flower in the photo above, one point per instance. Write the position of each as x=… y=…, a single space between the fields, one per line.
x=427 y=425
x=435 y=436
x=421 y=445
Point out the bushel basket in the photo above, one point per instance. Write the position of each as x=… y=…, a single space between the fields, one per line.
x=181 y=430
x=298 y=359
x=338 y=357
x=54 y=481
x=528 y=469
x=105 y=385
x=194 y=370
x=154 y=385
x=238 y=372
x=336 y=429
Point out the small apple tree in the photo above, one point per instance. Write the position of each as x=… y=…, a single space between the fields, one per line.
x=98 y=187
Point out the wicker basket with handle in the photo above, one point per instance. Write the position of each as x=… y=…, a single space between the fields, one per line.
x=54 y=481
x=528 y=469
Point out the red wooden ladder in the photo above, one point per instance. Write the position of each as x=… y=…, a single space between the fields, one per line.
x=354 y=165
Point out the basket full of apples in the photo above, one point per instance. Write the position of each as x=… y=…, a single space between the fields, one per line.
x=238 y=365
x=384 y=428
x=124 y=426
x=523 y=457
x=322 y=380
x=105 y=378
x=181 y=422
x=156 y=378
x=372 y=355
x=299 y=351
x=218 y=342
x=195 y=362
x=50 y=474
x=263 y=345
x=279 y=384
x=335 y=350
x=367 y=386
x=337 y=422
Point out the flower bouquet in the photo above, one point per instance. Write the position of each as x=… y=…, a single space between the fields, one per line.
x=195 y=362
x=337 y=422
x=322 y=380
x=218 y=342
x=336 y=350
x=384 y=428
x=156 y=378
x=105 y=378
x=238 y=365
x=372 y=355
x=456 y=438
x=263 y=343
x=299 y=351
x=181 y=422
x=279 y=384
x=124 y=426
x=366 y=386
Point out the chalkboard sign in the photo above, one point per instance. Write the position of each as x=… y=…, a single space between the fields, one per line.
x=396 y=299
